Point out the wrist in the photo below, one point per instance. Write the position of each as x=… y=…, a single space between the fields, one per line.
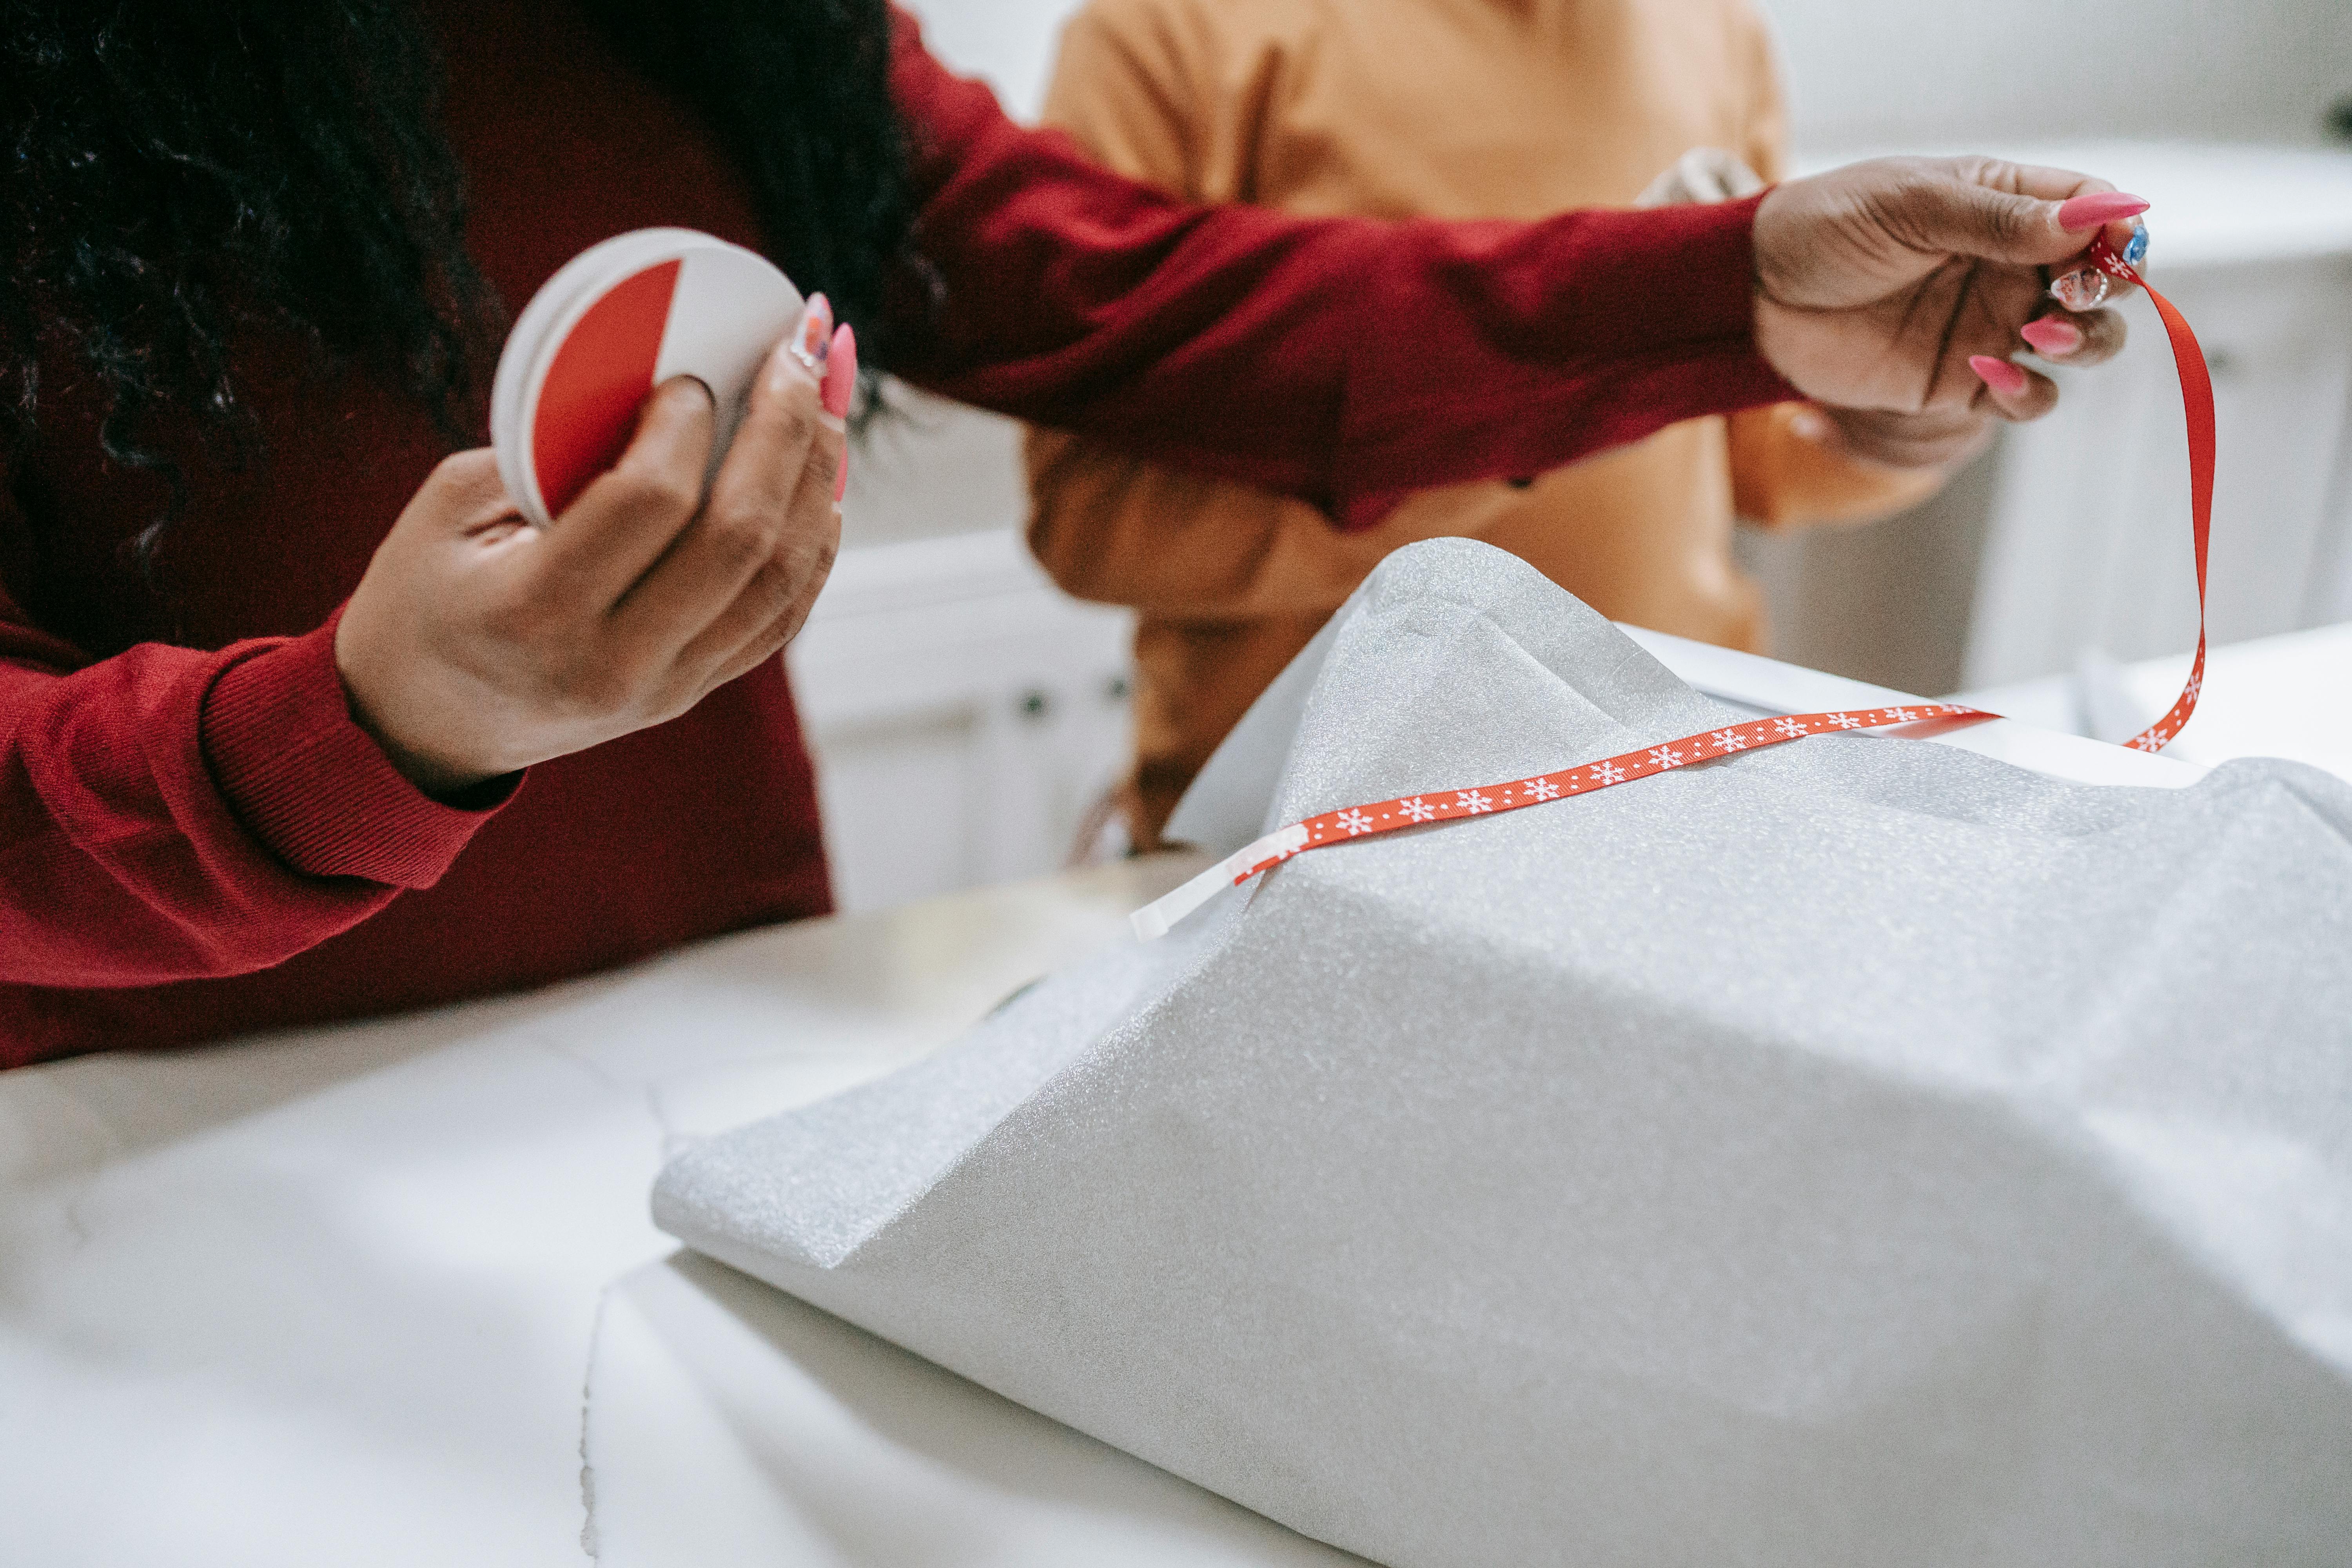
x=321 y=794
x=435 y=774
x=436 y=777
x=1770 y=268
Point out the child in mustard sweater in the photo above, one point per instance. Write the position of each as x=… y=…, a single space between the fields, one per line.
x=1457 y=108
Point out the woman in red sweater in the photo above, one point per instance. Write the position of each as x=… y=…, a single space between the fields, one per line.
x=273 y=662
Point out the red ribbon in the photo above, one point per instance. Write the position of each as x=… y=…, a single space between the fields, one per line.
x=2197 y=409
x=1712 y=745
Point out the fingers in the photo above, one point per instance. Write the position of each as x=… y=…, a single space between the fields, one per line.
x=2017 y=394
x=2016 y=214
x=2012 y=392
x=1997 y=313
x=2094 y=337
x=1907 y=285
x=777 y=599
x=1701 y=175
x=626 y=519
x=470 y=493
x=768 y=613
x=841 y=390
x=781 y=427
x=771 y=639
x=1937 y=439
x=772 y=610
x=1966 y=311
x=735 y=543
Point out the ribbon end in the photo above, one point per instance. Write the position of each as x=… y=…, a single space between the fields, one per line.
x=1158 y=917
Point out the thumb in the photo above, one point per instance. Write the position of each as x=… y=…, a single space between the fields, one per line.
x=1959 y=215
x=465 y=491
x=1959 y=218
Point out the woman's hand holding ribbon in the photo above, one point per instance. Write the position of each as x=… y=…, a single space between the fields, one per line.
x=1894 y=293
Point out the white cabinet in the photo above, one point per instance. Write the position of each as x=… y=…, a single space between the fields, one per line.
x=965 y=714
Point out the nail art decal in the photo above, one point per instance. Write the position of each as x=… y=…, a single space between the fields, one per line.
x=812 y=343
x=2085 y=288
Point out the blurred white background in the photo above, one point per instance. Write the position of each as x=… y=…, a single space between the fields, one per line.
x=941 y=664
x=1906 y=72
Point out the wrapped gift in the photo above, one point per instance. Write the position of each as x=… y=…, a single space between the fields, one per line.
x=1856 y=1152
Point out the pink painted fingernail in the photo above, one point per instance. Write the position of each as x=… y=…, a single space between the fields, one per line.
x=2052 y=337
x=840 y=371
x=840 y=386
x=2100 y=207
x=1998 y=374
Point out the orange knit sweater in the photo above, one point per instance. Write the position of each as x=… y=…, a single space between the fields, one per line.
x=1414 y=108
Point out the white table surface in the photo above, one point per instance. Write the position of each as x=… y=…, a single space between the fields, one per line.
x=387 y=1293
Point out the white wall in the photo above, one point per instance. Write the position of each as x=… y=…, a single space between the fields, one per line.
x=1872 y=72
x=1008 y=42
x=1956 y=72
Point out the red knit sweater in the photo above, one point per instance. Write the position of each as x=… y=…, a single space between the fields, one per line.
x=197 y=840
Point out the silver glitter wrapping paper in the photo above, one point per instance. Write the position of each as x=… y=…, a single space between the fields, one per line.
x=1861 y=1151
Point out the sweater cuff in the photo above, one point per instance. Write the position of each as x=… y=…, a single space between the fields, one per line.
x=307 y=782
x=1659 y=282
x=1688 y=272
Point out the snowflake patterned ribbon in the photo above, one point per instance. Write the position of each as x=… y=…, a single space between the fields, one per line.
x=1432 y=806
x=1583 y=778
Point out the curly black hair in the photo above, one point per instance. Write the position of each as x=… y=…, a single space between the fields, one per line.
x=179 y=173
